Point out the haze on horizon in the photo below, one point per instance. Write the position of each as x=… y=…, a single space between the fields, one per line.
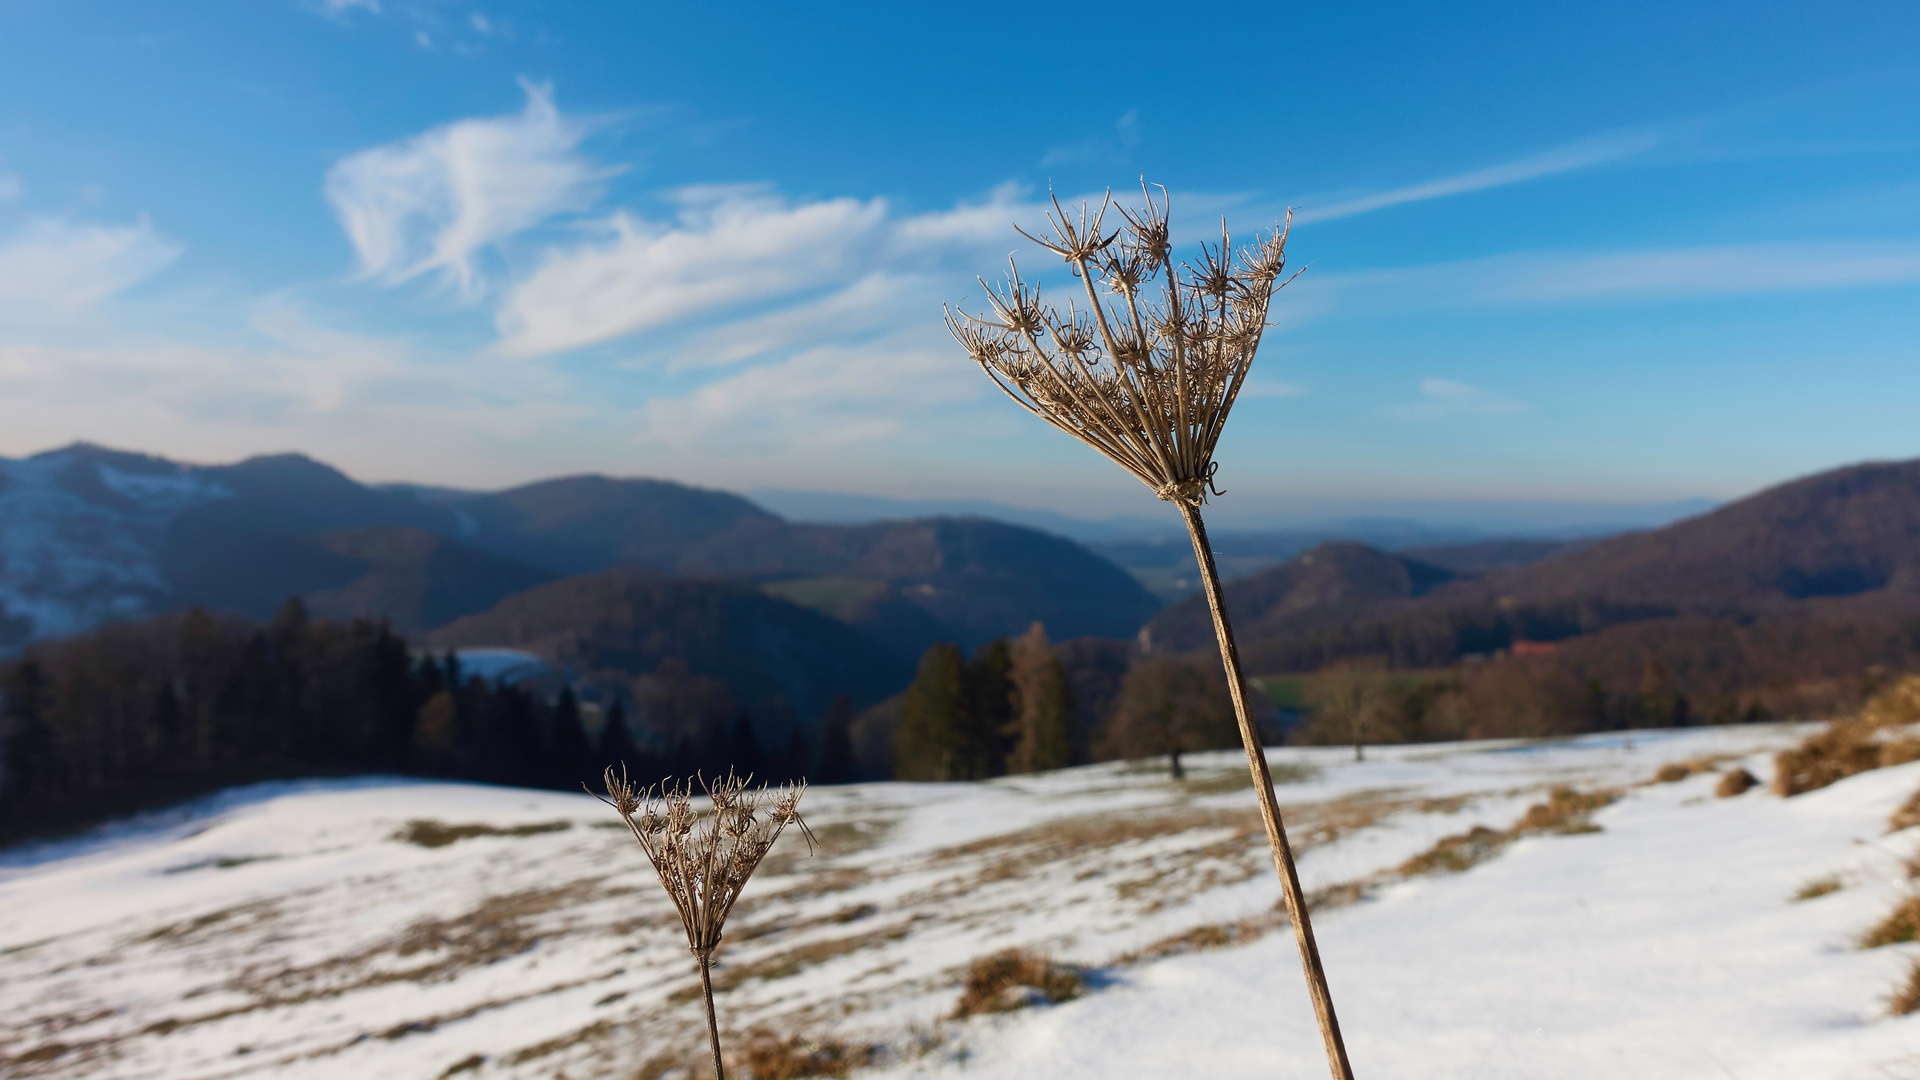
x=1626 y=257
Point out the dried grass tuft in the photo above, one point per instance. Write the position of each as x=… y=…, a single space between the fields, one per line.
x=1452 y=854
x=1015 y=979
x=1737 y=782
x=1899 y=752
x=1873 y=739
x=795 y=1057
x=1566 y=811
x=1206 y=938
x=465 y=1064
x=428 y=833
x=1907 y=816
x=1906 y=999
x=1841 y=749
x=1817 y=888
x=1901 y=925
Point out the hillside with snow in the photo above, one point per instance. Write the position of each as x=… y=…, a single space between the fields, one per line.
x=385 y=928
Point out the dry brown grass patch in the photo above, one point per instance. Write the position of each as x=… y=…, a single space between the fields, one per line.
x=1901 y=925
x=1899 y=752
x=1205 y=938
x=1074 y=836
x=1841 y=749
x=591 y=1033
x=428 y=833
x=1283 y=772
x=1453 y=854
x=790 y=963
x=1566 y=811
x=1014 y=979
x=819 y=883
x=239 y=917
x=1817 y=888
x=795 y=1057
x=465 y=1064
x=496 y=928
x=1907 y=816
x=1675 y=771
x=1735 y=782
x=1873 y=739
x=1906 y=998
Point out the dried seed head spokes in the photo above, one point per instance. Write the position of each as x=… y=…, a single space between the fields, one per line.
x=1080 y=242
x=1147 y=233
x=1148 y=383
x=704 y=861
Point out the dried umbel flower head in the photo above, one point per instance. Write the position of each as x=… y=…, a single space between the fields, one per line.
x=1148 y=373
x=704 y=860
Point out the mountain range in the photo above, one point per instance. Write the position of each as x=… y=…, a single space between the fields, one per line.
x=1797 y=594
x=90 y=535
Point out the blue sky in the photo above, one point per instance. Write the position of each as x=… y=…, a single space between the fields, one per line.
x=1621 y=253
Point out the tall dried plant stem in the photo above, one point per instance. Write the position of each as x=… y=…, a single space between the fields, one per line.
x=1269 y=804
x=713 y=1025
x=1149 y=382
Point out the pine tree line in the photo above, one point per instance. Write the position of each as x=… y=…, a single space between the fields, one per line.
x=137 y=713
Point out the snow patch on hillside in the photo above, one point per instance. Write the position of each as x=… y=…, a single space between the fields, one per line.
x=80 y=541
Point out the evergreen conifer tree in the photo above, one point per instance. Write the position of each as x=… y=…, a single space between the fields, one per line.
x=793 y=763
x=932 y=716
x=836 y=745
x=744 y=756
x=30 y=750
x=568 y=753
x=616 y=748
x=987 y=713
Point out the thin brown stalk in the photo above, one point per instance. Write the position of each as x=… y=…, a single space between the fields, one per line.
x=1149 y=384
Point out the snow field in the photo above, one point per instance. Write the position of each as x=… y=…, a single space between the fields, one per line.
x=288 y=930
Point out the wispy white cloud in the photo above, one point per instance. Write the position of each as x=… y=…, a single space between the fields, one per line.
x=338 y=9
x=1653 y=275
x=1447 y=397
x=860 y=306
x=727 y=246
x=62 y=266
x=362 y=402
x=1704 y=271
x=11 y=187
x=432 y=202
x=815 y=399
x=1581 y=155
x=1123 y=139
x=1270 y=388
x=970 y=222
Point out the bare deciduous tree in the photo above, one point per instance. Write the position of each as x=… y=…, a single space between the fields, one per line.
x=1147 y=377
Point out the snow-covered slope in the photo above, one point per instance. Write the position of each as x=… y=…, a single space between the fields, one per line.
x=80 y=537
x=294 y=931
